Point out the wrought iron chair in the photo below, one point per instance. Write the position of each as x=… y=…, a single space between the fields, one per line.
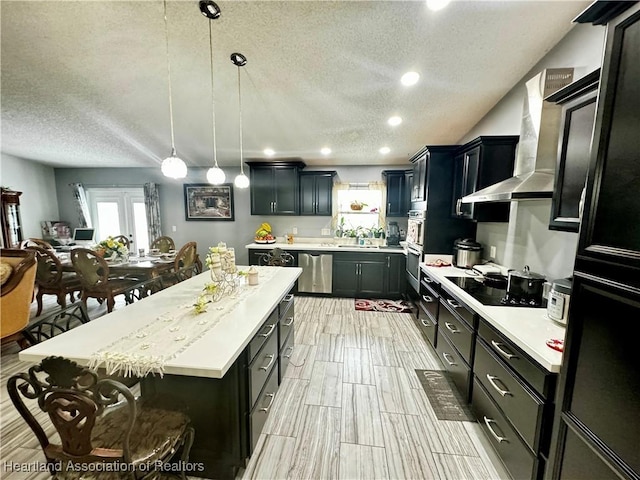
x=98 y=421
x=56 y=323
x=93 y=272
x=164 y=244
x=16 y=293
x=277 y=258
x=52 y=280
x=124 y=240
x=143 y=289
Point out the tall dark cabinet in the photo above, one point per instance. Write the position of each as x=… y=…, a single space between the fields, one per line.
x=597 y=428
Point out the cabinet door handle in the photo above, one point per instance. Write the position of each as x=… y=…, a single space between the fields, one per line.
x=388 y=262
x=271 y=327
x=271 y=397
x=502 y=351
x=427 y=298
x=272 y=358
x=425 y=322
x=451 y=327
x=290 y=350
x=289 y=323
x=388 y=206
x=453 y=303
x=488 y=421
x=446 y=357
x=492 y=380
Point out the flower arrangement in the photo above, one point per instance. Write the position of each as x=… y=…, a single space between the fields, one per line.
x=112 y=249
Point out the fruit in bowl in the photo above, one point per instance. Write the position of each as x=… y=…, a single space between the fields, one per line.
x=264 y=235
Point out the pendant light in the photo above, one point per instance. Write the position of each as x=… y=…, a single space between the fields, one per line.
x=239 y=60
x=172 y=166
x=210 y=9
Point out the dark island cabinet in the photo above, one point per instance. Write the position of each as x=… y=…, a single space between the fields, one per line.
x=274 y=188
x=368 y=275
x=316 y=191
x=398 y=192
x=478 y=164
x=578 y=102
x=597 y=428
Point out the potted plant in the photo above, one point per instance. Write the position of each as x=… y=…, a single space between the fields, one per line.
x=378 y=234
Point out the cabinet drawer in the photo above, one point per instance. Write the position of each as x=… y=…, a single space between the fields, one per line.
x=286 y=324
x=262 y=365
x=261 y=411
x=427 y=325
x=542 y=381
x=429 y=302
x=285 y=304
x=457 y=331
x=458 y=369
x=518 y=402
x=457 y=308
x=267 y=329
x=285 y=356
x=515 y=455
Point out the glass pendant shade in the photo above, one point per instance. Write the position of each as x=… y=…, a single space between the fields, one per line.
x=174 y=167
x=215 y=176
x=241 y=181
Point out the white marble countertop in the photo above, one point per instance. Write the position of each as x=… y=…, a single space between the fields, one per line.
x=325 y=247
x=528 y=328
x=210 y=356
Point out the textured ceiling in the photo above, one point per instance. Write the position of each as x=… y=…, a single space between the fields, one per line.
x=85 y=83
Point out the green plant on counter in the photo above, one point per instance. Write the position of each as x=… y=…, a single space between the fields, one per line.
x=376 y=232
x=340 y=230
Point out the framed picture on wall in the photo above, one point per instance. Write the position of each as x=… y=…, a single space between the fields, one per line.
x=203 y=201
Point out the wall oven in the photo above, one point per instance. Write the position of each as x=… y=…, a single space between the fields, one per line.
x=415 y=240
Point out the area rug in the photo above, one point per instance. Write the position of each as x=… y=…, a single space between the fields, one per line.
x=377 y=305
x=443 y=396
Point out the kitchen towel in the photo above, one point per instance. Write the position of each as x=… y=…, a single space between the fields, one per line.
x=443 y=396
x=377 y=305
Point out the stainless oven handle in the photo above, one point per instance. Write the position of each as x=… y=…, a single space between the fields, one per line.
x=413 y=251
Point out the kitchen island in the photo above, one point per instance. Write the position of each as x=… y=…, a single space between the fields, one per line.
x=226 y=376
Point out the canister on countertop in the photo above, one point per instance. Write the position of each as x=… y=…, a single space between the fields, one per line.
x=252 y=275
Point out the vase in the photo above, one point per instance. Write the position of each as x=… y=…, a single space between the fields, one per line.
x=100 y=252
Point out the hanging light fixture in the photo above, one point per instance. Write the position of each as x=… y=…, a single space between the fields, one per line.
x=239 y=60
x=172 y=166
x=210 y=9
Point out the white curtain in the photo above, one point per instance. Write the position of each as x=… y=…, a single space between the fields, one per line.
x=82 y=206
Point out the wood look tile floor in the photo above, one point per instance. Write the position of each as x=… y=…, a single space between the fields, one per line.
x=349 y=407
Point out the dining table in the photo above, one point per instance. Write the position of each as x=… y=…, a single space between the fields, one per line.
x=146 y=267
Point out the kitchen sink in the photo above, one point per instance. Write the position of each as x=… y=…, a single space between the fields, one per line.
x=359 y=246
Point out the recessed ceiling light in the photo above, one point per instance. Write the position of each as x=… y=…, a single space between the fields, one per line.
x=410 y=78
x=436 y=5
x=325 y=151
x=394 y=121
x=269 y=152
x=384 y=150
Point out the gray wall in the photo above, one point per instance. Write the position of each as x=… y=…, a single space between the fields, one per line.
x=236 y=234
x=37 y=184
x=526 y=239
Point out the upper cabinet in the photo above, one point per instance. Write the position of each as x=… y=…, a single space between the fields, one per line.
x=316 y=190
x=479 y=164
x=419 y=160
x=578 y=101
x=399 y=184
x=275 y=188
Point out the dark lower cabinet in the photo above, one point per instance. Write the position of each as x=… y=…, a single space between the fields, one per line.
x=428 y=305
x=368 y=275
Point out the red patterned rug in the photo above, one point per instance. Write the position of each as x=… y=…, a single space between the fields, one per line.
x=377 y=305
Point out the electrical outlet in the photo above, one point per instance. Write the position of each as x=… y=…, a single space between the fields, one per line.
x=492 y=252
x=325 y=231
x=294 y=230
x=174 y=228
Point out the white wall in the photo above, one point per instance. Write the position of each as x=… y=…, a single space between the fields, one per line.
x=37 y=184
x=526 y=239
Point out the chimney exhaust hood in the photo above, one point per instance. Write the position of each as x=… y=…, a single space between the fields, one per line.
x=538 y=146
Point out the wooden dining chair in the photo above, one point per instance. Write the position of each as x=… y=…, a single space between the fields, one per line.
x=97 y=421
x=52 y=280
x=36 y=242
x=163 y=244
x=124 y=240
x=93 y=272
x=186 y=264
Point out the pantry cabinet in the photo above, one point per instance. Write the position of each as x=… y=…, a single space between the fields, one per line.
x=596 y=433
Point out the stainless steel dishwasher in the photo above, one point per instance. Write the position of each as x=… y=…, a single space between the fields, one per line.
x=317 y=270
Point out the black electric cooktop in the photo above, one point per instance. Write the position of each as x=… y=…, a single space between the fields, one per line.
x=489 y=295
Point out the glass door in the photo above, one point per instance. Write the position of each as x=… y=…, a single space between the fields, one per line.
x=119 y=211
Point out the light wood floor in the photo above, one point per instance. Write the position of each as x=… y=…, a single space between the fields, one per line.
x=350 y=407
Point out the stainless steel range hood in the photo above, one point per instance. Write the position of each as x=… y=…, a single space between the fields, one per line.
x=537 y=149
